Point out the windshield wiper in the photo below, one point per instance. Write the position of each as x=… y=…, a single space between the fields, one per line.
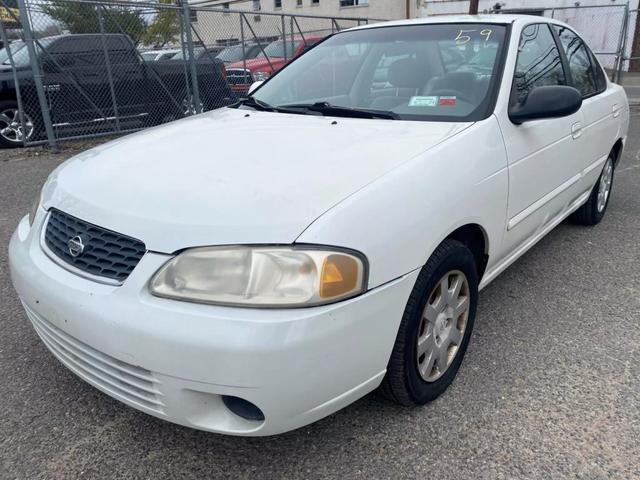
x=254 y=103
x=325 y=108
x=263 y=106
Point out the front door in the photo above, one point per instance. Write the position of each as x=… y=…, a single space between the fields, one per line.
x=545 y=156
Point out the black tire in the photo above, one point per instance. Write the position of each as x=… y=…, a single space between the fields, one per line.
x=403 y=382
x=5 y=142
x=590 y=214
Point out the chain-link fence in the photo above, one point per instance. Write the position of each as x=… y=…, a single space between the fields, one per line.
x=80 y=68
x=604 y=28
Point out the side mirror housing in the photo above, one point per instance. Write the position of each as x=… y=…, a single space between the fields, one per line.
x=254 y=86
x=551 y=101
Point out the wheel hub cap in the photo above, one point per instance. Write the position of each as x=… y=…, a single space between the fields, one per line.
x=604 y=187
x=442 y=326
x=11 y=127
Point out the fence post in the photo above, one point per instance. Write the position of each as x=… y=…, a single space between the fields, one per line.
x=107 y=60
x=284 y=38
x=192 y=61
x=244 y=49
x=623 y=42
x=5 y=42
x=25 y=20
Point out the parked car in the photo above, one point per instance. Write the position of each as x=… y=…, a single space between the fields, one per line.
x=199 y=53
x=156 y=55
x=78 y=92
x=236 y=53
x=276 y=55
x=253 y=287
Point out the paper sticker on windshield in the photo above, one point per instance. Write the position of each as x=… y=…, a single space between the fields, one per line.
x=447 y=101
x=423 y=101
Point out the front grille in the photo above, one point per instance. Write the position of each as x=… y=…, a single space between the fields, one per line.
x=119 y=379
x=105 y=253
x=239 y=77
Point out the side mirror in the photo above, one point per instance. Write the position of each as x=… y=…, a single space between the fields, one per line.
x=254 y=86
x=551 y=101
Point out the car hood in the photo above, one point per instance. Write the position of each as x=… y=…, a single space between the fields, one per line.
x=233 y=176
x=257 y=64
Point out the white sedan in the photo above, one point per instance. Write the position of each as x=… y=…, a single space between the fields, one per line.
x=253 y=269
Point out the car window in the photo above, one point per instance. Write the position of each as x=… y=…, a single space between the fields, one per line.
x=442 y=72
x=538 y=62
x=582 y=71
x=277 y=49
x=601 y=79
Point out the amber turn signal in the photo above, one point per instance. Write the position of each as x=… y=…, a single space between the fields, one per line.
x=339 y=276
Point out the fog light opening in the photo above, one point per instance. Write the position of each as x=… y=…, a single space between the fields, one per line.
x=243 y=408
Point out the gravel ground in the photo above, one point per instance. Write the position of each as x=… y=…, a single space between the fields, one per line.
x=549 y=387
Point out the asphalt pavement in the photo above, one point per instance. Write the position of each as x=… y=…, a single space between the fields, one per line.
x=549 y=387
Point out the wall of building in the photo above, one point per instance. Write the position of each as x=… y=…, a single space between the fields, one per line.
x=215 y=27
x=380 y=9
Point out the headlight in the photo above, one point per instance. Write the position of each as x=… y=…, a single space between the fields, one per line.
x=260 y=76
x=266 y=276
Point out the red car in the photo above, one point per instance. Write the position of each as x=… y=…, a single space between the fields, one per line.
x=267 y=62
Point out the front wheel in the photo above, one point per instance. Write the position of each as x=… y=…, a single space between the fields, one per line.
x=12 y=132
x=435 y=328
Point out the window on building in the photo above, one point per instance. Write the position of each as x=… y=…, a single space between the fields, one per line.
x=298 y=3
x=256 y=5
x=225 y=6
x=538 y=62
x=193 y=15
x=582 y=71
x=353 y=3
x=315 y=2
x=277 y=4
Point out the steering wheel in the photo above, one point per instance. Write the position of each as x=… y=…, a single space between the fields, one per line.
x=450 y=92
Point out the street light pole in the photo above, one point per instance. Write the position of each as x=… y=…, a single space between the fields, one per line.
x=473 y=7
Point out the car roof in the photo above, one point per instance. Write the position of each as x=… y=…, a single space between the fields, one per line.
x=501 y=18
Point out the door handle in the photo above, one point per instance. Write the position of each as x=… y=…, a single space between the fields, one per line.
x=576 y=130
x=615 y=110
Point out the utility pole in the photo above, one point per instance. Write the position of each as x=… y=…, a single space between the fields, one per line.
x=473 y=7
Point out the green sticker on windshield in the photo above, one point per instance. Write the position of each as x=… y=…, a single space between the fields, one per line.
x=423 y=101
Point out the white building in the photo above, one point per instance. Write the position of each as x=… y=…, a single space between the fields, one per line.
x=380 y=9
x=218 y=21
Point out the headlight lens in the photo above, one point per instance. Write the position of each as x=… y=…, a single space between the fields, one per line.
x=260 y=76
x=261 y=276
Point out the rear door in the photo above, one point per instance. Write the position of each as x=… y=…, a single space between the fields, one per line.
x=600 y=105
x=545 y=156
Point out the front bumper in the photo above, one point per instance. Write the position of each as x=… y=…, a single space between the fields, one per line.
x=176 y=360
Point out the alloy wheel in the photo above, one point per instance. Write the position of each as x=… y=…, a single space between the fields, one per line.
x=443 y=324
x=11 y=127
x=604 y=187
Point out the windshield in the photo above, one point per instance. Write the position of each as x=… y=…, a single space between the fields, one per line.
x=181 y=55
x=149 y=55
x=276 y=49
x=21 y=55
x=4 y=53
x=418 y=72
x=233 y=54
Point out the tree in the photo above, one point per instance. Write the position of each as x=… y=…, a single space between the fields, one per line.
x=83 y=18
x=164 y=28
